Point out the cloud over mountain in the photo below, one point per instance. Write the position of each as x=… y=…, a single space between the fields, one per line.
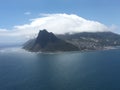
x=64 y=23
x=56 y=23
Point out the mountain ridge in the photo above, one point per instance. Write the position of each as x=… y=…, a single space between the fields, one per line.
x=47 y=41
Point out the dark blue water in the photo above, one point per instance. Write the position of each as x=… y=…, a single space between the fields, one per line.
x=20 y=70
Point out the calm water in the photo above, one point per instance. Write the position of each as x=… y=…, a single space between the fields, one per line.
x=20 y=70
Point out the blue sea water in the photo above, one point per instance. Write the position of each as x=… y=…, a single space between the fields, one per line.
x=22 y=70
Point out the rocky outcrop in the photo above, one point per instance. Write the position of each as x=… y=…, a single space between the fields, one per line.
x=48 y=42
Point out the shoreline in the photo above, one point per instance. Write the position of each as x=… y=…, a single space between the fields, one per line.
x=59 y=52
x=82 y=51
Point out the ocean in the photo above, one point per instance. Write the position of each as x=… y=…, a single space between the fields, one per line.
x=95 y=70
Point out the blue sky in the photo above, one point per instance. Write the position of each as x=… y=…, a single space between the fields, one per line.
x=105 y=11
x=78 y=15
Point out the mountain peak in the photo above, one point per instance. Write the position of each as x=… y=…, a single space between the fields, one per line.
x=45 y=37
x=43 y=31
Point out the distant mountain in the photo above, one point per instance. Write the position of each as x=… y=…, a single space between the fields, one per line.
x=47 y=42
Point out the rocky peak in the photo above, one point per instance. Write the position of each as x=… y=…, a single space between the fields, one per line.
x=45 y=37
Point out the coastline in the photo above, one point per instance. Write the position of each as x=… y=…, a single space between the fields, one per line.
x=17 y=48
x=82 y=51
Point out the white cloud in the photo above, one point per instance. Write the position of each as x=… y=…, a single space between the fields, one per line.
x=27 y=13
x=64 y=23
x=56 y=23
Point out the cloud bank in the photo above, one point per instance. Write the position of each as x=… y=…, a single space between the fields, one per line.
x=56 y=23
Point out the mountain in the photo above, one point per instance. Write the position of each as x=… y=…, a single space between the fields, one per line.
x=47 y=42
x=92 y=40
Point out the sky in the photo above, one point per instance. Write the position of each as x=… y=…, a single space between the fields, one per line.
x=21 y=19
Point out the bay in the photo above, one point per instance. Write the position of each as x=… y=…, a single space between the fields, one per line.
x=22 y=70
